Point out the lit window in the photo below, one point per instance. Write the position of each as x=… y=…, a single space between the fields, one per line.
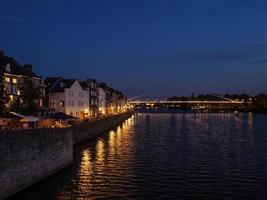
x=62 y=103
x=41 y=103
x=7 y=79
x=14 y=80
x=11 y=98
x=18 y=92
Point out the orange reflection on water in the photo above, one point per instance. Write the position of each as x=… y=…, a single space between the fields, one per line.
x=100 y=149
x=112 y=148
x=84 y=183
x=96 y=165
x=119 y=140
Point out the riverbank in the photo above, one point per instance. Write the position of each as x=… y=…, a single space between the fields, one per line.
x=28 y=156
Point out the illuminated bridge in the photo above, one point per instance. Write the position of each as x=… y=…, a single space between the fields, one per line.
x=221 y=104
x=148 y=102
x=193 y=105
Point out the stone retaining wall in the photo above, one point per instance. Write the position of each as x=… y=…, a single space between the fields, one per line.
x=28 y=156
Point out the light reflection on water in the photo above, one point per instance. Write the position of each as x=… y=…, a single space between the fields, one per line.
x=168 y=156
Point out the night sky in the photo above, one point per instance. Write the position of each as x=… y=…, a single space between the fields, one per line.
x=174 y=47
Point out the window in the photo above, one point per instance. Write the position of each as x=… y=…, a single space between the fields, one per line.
x=8 y=89
x=42 y=91
x=81 y=103
x=62 y=103
x=71 y=94
x=41 y=103
x=71 y=113
x=52 y=104
x=7 y=79
x=18 y=92
x=70 y=104
x=14 y=90
x=14 y=81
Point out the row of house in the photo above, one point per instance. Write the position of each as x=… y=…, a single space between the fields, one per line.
x=83 y=99
x=79 y=98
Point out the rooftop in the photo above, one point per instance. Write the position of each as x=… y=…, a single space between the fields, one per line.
x=60 y=85
x=11 y=66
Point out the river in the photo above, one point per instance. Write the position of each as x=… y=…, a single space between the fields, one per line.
x=167 y=156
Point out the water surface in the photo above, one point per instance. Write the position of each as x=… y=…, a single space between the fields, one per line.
x=167 y=156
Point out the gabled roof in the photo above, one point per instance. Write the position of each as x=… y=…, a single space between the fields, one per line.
x=50 y=81
x=61 y=85
x=15 y=67
x=84 y=85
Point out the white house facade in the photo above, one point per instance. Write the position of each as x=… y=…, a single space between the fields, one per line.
x=68 y=96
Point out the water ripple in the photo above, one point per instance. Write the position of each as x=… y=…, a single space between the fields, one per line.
x=168 y=156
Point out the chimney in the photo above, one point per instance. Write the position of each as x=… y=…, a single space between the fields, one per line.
x=28 y=67
x=2 y=53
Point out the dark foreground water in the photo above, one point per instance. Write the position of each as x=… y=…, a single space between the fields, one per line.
x=167 y=156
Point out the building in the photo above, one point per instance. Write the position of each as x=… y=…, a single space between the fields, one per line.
x=85 y=86
x=102 y=101
x=122 y=102
x=13 y=75
x=114 y=102
x=49 y=82
x=68 y=96
x=93 y=96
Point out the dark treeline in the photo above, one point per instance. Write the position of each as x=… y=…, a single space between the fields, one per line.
x=259 y=102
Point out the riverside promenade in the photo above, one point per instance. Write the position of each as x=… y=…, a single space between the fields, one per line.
x=30 y=155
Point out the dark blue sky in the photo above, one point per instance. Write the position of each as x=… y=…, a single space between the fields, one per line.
x=140 y=46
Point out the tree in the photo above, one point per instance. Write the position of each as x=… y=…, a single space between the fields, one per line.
x=193 y=96
x=260 y=103
x=29 y=95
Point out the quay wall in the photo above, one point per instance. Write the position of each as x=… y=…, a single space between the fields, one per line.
x=28 y=156
x=90 y=129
